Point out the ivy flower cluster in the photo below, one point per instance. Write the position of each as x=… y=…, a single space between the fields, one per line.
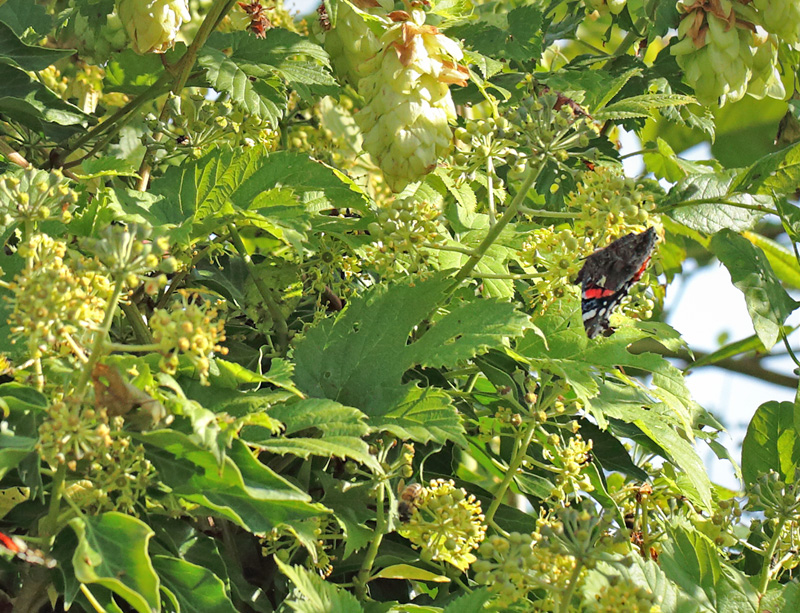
x=59 y=300
x=191 y=328
x=568 y=462
x=446 y=524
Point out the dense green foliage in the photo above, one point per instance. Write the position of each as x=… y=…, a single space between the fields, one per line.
x=289 y=321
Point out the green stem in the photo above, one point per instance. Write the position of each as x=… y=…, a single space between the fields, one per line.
x=184 y=68
x=278 y=320
x=140 y=331
x=49 y=525
x=100 y=339
x=566 y=597
x=360 y=583
x=144 y=348
x=490 y=191
x=513 y=467
x=546 y=213
x=766 y=569
x=495 y=230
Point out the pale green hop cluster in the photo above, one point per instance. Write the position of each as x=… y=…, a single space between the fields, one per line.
x=621 y=595
x=59 y=300
x=189 y=328
x=725 y=52
x=406 y=121
x=34 y=196
x=780 y=17
x=446 y=524
x=350 y=42
x=73 y=432
x=153 y=25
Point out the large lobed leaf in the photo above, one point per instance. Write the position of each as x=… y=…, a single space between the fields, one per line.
x=359 y=357
x=772 y=442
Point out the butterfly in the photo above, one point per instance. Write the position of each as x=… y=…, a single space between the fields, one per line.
x=608 y=274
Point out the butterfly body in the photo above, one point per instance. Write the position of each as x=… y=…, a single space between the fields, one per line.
x=608 y=274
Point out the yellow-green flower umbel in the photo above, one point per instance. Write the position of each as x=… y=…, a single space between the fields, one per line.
x=153 y=25
x=406 y=119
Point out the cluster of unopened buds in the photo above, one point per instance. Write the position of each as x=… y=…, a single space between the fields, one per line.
x=128 y=254
x=487 y=144
x=445 y=523
x=189 y=327
x=400 y=233
x=514 y=565
x=34 y=196
x=619 y=594
x=73 y=432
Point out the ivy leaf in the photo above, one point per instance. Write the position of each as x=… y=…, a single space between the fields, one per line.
x=112 y=552
x=20 y=15
x=359 y=357
x=470 y=603
x=317 y=594
x=767 y=302
x=701 y=198
x=195 y=588
x=772 y=442
x=241 y=489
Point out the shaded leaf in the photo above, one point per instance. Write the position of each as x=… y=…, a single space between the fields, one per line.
x=319 y=596
x=772 y=442
x=767 y=302
x=195 y=588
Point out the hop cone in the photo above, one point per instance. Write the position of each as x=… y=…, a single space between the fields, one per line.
x=780 y=17
x=351 y=43
x=716 y=49
x=406 y=120
x=96 y=35
x=766 y=79
x=153 y=25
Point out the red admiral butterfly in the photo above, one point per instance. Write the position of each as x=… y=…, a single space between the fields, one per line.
x=608 y=274
x=20 y=548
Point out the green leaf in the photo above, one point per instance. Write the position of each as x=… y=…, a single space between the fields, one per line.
x=14 y=449
x=241 y=489
x=112 y=552
x=646 y=105
x=692 y=561
x=772 y=442
x=319 y=596
x=227 y=185
x=341 y=429
x=30 y=103
x=20 y=15
x=701 y=199
x=774 y=174
x=425 y=415
x=746 y=345
x=783 y=261
x=130 y=73
x=26 y=57
x=767 y=302
x=412 y=573
x=470 y=603
x=782 y=599
x=359 y=357
x=195 y=588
